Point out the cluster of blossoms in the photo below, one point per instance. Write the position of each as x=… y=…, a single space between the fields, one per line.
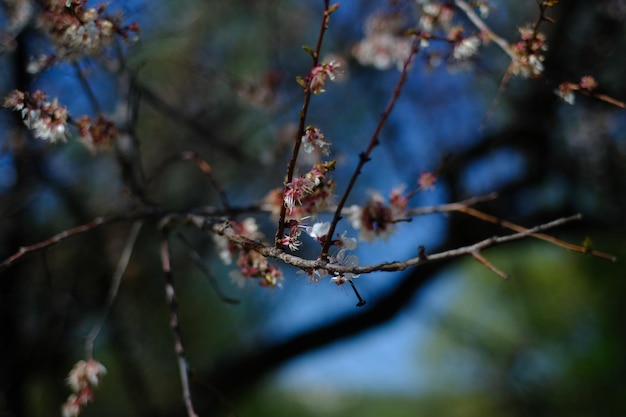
x=385 y=43
x=305 y=195
x=528 y=53
x=315 y=81
x=440 y=14
x=465 y=47
x=378 y=218
x=47 y=120
x=435 y=15
x=251 y=263
x=439 y=17
x=98 y=134
x=82 y=379
x=78 y=31
x=566 y=90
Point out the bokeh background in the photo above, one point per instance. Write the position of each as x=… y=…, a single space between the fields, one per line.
x=452 y=339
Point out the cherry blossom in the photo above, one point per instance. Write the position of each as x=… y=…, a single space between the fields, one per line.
x=82 y=379
x=466 y=48
x=78 y=31
x=385 y=44
x=528 y=58
x=315 y=81
x=47 y=120
x=343 y=259
x=97 y=135
x=319 y=231
x=313 y=139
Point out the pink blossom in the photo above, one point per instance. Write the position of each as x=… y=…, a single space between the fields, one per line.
x=313 y=139
x=316 y=80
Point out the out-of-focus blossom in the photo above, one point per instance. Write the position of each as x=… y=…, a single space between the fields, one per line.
x=47 y=120
x=427 y=180
x=97 y=135
x=79 y=31
x=466 y=48
x=528 y=53
x=566 y=92
x=313 y=139
x=82 y=379
x=435 y=15
x=251 y=264
x=376 y=219
x=385 y=44
x=247 y=228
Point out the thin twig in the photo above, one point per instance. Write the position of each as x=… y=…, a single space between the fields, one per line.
x=362 y=301
x=496 y=100
x=24 y=250
x=291 y=166
x=115 y=285
x=489 y=265
x=93 y=100
x=364 y=156
x=176 y=114
x=449 y=207
x=605 y=98
x=509 y=225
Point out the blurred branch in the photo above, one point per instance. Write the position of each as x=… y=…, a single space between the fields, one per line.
x=175 y=114
x=183 y=367
x=115 y=285
x=197 y=259
x=24 y=250
x=91 y=96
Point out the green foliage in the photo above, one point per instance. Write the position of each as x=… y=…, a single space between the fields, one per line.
x=545 y=341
